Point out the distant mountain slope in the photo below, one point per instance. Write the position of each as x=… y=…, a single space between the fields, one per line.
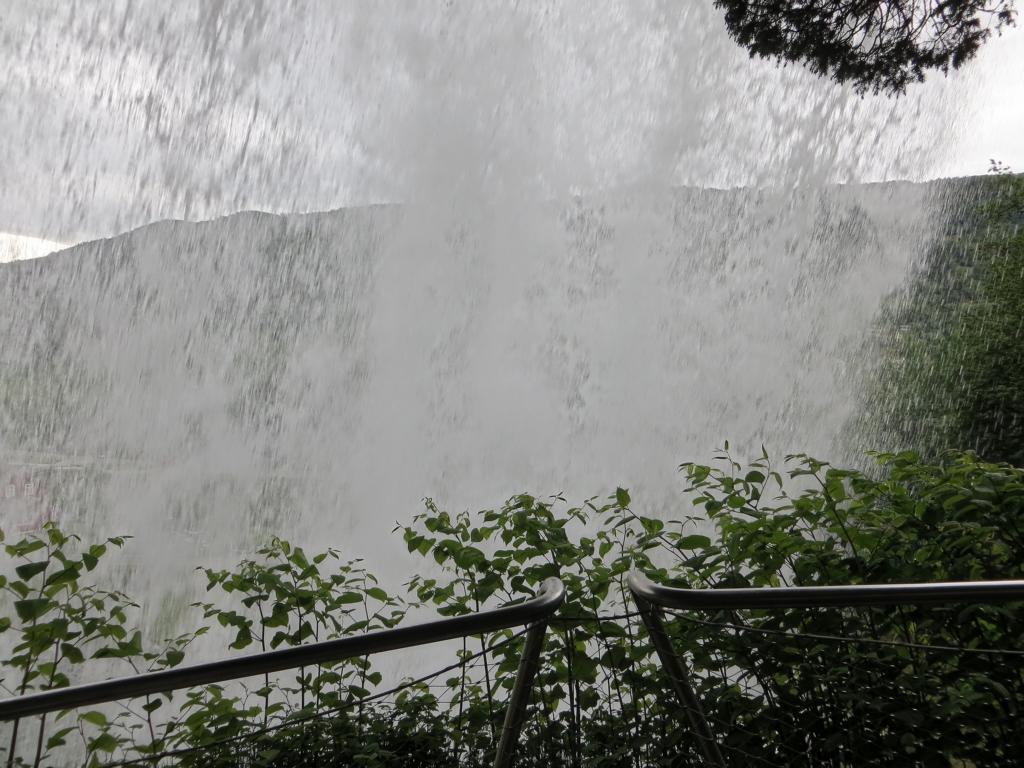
x=313 y=372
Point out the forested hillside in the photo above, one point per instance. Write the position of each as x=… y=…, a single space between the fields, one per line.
x=952 y=370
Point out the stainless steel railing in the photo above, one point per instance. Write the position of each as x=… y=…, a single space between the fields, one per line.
x=534 y=612
x=651 y=600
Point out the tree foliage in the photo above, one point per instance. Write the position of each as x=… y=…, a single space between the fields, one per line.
x=952 y=351
x=874 y=45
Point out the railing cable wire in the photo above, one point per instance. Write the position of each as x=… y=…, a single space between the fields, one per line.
x=256 y=733
x=848 y=639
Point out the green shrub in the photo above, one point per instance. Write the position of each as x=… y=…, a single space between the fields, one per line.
x=830 y=687
x=791 y=697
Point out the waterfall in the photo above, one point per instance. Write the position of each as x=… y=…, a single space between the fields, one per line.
x=205 y=385
x=580 y=243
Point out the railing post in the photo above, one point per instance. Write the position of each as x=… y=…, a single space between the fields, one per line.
x=680 y=680
x=515 y=715
x=14 y=742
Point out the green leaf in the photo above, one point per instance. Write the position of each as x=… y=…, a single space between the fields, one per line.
x=103 y=743
x=30 y=610
x=72 y=653
x=652 y=526
x=94 y=717
x=28 y=570
x=153 y=705
x=622 y=497
x=65 y=576
x=173 y=658
x=468 y=557
x=57 y=738
x=909 y=716
x=25 y=547
x=694 y=541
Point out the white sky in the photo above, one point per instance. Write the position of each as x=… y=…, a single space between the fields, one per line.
x=19 y=247
x=993 y=125
x=119 y=113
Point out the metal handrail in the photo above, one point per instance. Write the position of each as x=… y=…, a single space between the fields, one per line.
x=651 y=598
x=534 y=612
x=847 y=595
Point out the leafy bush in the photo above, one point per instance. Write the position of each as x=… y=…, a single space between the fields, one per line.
x=785 y=687
x=773 y=685
x=282 y=598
